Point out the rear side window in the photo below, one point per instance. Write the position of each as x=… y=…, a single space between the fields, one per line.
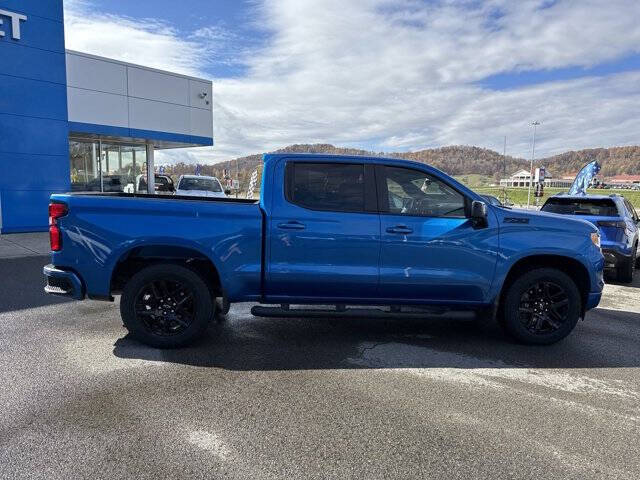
x=326 y=186
x=631 y=209
x=577 y=206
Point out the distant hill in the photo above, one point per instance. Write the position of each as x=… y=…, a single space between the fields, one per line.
x=614 y=161
x=454 y=160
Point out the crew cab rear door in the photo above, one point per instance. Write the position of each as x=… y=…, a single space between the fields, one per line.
x=323 y=232
x=431 y=252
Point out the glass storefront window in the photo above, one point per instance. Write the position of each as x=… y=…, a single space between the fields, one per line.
x=112 y=180
x=107 y=167
x=138 y=175
x=85 y=170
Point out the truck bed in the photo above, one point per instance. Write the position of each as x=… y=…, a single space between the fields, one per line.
x=102 y=229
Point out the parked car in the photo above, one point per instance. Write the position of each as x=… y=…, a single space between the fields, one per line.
x=163 y=184
x=108 y=183
x=617 y=221
x=327 y=230
x=200 y=186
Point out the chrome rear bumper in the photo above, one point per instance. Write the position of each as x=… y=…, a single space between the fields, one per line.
x=62 y=282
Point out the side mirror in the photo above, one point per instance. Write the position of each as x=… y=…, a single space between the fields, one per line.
x=227 y=192
x=479 y=213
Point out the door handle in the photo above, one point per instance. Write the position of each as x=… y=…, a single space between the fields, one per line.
x=292 y=225
x=400 y=229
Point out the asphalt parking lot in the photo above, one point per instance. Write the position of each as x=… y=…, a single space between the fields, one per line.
x=269 y=398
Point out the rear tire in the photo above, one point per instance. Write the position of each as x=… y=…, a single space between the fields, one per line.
x=541 y=307
x=166 y=306
x=626 y=269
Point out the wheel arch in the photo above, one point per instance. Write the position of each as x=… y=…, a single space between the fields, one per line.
x=573 y=268
x=138 y=257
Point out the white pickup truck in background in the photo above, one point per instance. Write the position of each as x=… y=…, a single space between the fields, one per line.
x=199 y=186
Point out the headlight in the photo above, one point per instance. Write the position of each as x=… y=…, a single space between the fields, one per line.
x=595 y=238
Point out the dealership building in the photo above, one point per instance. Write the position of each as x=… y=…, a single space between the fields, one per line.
x=70 y=121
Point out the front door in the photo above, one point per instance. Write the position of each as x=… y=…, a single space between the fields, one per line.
x=431 y=251
x=323 y=233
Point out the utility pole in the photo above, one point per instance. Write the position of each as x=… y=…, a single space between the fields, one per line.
x=504 y=171
x=533 y=154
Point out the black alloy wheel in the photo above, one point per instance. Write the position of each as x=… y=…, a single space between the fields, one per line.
x=544 y=307
x=165 y=307
x=541 y=306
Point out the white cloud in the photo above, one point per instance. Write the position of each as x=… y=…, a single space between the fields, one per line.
x=400 y=74
x=149 y=42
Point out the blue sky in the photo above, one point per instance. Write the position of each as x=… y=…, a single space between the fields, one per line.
x=185 y=14
x=518 y=79
x=388 y=75
x=235 y=19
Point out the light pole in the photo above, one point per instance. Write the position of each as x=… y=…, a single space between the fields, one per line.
x=533 y=154
x=237 y=176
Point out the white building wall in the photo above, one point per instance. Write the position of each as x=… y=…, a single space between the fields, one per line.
x=90 y=106
x=102 y=91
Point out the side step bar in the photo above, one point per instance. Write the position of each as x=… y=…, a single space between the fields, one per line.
x=342 y=311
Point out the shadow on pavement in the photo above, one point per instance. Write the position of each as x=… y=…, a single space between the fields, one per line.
x=607 y=338
x=23 y=284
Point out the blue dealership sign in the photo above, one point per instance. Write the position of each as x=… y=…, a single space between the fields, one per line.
x=34 y=130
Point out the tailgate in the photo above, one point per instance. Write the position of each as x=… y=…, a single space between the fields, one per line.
x=611 y=228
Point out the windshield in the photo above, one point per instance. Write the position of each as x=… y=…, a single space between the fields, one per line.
x=577 y=206
x=207 y=184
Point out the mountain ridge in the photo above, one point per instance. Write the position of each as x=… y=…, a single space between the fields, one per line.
x=454 y=160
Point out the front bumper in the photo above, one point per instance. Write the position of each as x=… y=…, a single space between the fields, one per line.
x=613 y=258
x=62 y=282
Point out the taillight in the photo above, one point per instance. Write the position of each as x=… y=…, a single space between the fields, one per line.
x=56 y=210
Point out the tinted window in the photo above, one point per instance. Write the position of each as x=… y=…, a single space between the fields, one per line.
x=412 y=192
x=206 y=184
x=577 y=206
x=326 y=186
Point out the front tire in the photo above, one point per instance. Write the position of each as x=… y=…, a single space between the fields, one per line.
x=541 y=307
x=166 y=306
x=222 y=306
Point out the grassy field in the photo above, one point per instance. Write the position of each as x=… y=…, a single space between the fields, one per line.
x=518 y=196
x=474 y=180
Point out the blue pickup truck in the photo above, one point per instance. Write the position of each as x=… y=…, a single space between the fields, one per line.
x=327 y=231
